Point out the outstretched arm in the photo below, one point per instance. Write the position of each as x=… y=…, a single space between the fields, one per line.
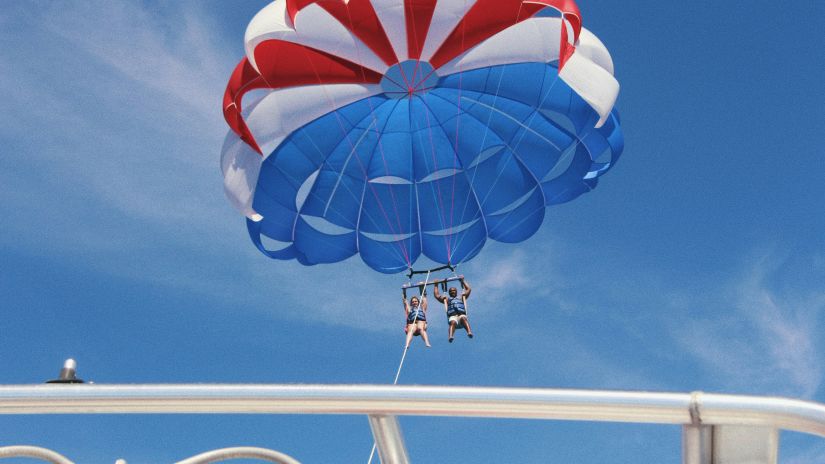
x=467 y=288
x=424 y=303
x=406 y=304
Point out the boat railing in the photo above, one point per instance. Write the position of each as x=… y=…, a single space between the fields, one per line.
x=716 y=428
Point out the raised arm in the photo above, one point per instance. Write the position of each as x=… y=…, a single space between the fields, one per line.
x=438 y=296
x=467 y=288
x=406 y=304
x=424 y=302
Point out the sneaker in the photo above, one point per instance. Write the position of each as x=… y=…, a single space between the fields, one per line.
x=450 y=339
x=470 y=335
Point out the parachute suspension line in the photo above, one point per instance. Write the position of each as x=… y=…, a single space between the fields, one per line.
x=441 y=213
x=516 y=155
x=333 y=109
x=563 y=155
x=512 y=149
x=329 y=200
x=536 y=113
x=526 y=125
x=435 y=194
x=399 y=242
x=450 y=248
x=487 y=132
x=401 y=252
x=344 y=134
x=410 y=84
x=481 y=201
x=343 y=170
x=569 y=151
x=438 y=194
x=454 y=246
x=470 y=194
x=393 y=201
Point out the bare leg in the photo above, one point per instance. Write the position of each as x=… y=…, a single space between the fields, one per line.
x=410 y=332
x=422 y=326
x=451 y=331
x=466 y=323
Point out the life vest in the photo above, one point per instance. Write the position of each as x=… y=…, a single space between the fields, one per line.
x=416 y=314
x=455 y=306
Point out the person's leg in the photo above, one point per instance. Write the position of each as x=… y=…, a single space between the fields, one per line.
x=410 y=333
x=451 y=331
x=466 y=323
x=422 y=327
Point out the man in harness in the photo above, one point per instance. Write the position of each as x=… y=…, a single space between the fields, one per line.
x=456 y=307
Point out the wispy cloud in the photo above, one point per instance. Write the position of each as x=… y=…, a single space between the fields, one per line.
x=760 y=339
x=179 y=59
x=758 y=332
x=544 y=304
x=113 y=103
x=505 y=274
x=112 y=134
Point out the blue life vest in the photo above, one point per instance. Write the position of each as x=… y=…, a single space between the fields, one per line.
x=416 y=314
x=455 y=306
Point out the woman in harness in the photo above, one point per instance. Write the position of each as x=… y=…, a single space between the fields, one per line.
x=456 y=307
x=416 y=311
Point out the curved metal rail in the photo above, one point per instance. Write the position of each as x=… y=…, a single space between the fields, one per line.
x=225 y=454
x=34 y=452
x=208 y=457
x=714 y=425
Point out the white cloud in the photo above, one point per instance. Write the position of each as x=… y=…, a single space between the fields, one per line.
x=760 y=339
x=114 y=116
x=119 y=105
x=504 y=275
x=177 y=58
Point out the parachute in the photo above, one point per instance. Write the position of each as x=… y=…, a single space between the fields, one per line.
x=389 y=129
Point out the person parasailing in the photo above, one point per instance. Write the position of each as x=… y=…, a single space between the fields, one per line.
x=416 y=311
x=456 y=307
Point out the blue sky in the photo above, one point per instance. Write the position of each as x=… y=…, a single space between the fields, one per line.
x=697 y=264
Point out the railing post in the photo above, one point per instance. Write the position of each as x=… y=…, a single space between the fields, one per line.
x=388 y=439
x=697 y=444
x=726 y=443
x=697 y=439
x=739 y=444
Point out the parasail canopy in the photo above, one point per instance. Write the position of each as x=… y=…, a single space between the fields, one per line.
x=395 y=128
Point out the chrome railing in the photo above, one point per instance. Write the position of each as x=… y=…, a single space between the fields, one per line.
x=717 y=428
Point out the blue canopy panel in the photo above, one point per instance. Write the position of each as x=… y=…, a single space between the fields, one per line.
x=538 y=86
x=437 y=172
